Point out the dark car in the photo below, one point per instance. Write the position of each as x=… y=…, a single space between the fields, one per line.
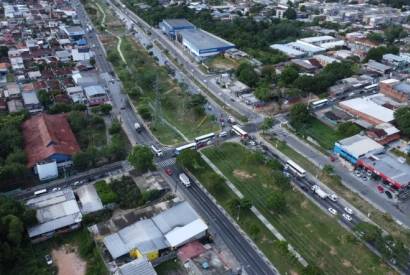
x=169 y=171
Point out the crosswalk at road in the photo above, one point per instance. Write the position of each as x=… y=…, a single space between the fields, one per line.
x=167 y=162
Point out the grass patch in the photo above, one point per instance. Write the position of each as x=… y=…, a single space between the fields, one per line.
x=220 y=63
x=257 y=231
x=320 y=132
x=334 y=183
x=165 y=134
x=318 y=237
x=169 y=267
x=105 y=192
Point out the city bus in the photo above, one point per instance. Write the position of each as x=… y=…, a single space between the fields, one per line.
x=318 y=103
x=370 y=87
x=238 y=130
x=178 y=150
x=39 y=192
x=205 y=138
x=295 y=168
x=156 y=151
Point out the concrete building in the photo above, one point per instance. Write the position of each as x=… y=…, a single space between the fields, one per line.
x=378 y=67
x=384 y=133
x=202 y=44
x=395 y=89
x=89 y=199
x=56 y=212
x=288 y=50
x=172 y=26
x=95 y=95
x=365 y=108
x=31 y=102
x=355 y=147
x=138 y=266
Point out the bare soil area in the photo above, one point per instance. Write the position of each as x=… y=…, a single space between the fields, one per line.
x=68 y=262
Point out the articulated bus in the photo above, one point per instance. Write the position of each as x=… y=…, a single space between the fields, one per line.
x=184 y=147
x=237 y=130
x=318 y=103
x=205 y=138
x=295 y=168
x=39 y=192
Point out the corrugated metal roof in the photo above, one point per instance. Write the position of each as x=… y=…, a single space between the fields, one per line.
x=90 y=201
x=139 y=266
x=180 y=235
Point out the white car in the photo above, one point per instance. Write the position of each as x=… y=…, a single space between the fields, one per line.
x=348 y=210
x=48 y=259
x=252 y=143
x=347 y=217
x=332 y=211
x=333 y=197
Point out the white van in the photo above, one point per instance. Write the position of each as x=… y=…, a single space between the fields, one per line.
x=223 y=134
x=185 y=180
x=157 y=152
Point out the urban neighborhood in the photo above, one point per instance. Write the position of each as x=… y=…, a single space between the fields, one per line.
x=144 y=137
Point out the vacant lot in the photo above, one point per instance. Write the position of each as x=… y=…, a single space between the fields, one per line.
x=320 y=132
x=318 y=237
x=68 y=262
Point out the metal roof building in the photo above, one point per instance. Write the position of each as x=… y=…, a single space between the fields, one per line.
x=171 y=228
x=288 y=50
x=90 y=201
x=203 y=44
x=56 y=210
x=172 y=26
x=355 y=147
x=140 y=266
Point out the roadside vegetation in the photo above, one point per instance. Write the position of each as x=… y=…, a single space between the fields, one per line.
x=318 y=237
x=160 y=100
x=333 y=181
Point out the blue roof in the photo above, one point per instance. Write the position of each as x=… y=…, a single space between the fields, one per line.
x=81 y=42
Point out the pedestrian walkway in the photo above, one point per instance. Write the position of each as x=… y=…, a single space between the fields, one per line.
x=167 y=162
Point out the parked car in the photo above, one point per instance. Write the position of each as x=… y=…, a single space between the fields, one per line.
x=332 y=211
x=348 y=210
x=48 y=259
x=347 y=217
x=380 y=189
x=169 y=171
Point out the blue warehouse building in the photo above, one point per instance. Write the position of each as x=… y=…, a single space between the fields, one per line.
x=202 y=44
x=171 y=26
x=355 y=147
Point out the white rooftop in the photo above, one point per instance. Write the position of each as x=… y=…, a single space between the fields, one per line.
x=317 y=39
x=359 y=145
x=368 y=107
x=180 y=235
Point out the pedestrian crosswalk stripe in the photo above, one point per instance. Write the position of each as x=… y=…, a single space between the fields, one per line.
x=167 y=162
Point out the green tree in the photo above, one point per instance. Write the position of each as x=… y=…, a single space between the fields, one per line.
x=145 y=112
x=377 y=53
x=375 y=37
x=347 y=129
x=268 y=73
x=290 y=13
x=45 y=98
x=299 y=114
x=328 y=169
x=288 y=76
x=277 y=202
x=394 y=32
x=280 y=180
x=141 y=158
x=105 y=109
x=264 y=92
x=4 y=50
x=402 y=118
x=217 y=183
x=267 y=123
x=369 y=231
x=246 y=74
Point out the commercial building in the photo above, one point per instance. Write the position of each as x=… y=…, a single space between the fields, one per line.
x=49 y=137
x=365 y=108
x=172 y=26
x=288 y=50
x=95 y=95
x=89 y=199
x=202 y=44
x=384 y=133
x=355 y=147
x=31 y=102
x=395 y=89
x=169 y=229
x=56 y=212
x=391 y=170
x=378 y=67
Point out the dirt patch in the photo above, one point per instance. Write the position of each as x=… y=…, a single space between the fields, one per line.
x=333 y=250
x=243 y=175
x=292 y=272
x=304 y=204
x=346 y=263
x=68 y=262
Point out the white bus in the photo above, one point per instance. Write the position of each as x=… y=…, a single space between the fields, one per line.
x=157 y=152
x=295 y=168
x=178 y=150
x=238 y=130
x=39 y=192
x=318 y=103
x=205 y=138
x=371 y=87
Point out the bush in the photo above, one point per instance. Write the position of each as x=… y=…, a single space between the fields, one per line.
x=105 y=192
x=129 y=195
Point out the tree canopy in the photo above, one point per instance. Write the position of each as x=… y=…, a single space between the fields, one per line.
x=377 y=53
x=299 y=114
x=141 y=158
x=246 y=74
x=402 y=118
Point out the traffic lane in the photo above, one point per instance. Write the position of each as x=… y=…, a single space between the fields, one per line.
x=243 y=251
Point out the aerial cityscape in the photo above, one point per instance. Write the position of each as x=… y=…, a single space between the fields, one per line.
x=144 y=137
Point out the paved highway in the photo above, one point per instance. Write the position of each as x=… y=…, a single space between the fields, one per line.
x=249 y=258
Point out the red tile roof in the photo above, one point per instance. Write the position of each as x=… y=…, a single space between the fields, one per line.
x=46 y=135
x=190 y=250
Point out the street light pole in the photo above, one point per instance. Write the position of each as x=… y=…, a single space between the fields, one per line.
x=239 y=208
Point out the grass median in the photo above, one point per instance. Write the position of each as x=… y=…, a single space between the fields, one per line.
x=318 y=237
x=258 y=232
